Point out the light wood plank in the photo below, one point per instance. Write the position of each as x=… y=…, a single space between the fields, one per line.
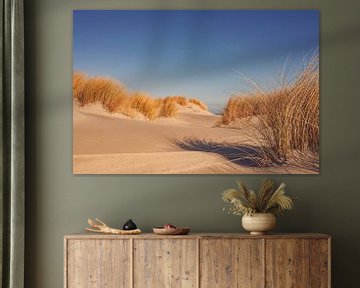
x=319 y=263
x=231 y=263
x=98 y=264
x=89 y=235
x=287 y=263
x=164 y=263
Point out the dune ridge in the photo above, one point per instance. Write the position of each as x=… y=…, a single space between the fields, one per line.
x=116 y=98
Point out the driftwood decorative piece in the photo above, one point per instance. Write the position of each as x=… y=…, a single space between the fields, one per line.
x=101 y=227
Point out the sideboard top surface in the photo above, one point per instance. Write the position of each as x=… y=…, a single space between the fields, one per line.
x=86 y=235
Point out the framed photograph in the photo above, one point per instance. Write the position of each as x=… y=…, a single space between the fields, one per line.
x=196 y=92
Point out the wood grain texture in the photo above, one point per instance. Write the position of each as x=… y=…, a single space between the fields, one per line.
x=319 y=263
x=231 y=263
x=98 y=263
x=197 y=260
x=165 y=263
x=287 y=263
x=88 y=235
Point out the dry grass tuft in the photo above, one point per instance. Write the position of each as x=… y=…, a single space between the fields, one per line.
x=288 y=117
x=181 y=100
x=107 y=92
x=115 y=98
x=199 y=103
x=126 y=109
x=142 y=102
x=79 y=80
x=240 y=107
x=168 y=108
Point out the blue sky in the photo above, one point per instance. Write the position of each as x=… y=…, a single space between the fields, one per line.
x=195 y=53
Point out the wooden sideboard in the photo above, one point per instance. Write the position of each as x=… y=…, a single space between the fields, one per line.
x=197 y=260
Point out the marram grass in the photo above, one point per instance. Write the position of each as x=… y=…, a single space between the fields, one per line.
x=115 y=98
x=287 y=116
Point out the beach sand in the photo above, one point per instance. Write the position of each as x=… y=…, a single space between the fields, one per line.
x=190 y=143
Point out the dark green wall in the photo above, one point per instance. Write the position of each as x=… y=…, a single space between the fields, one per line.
x=59 y=202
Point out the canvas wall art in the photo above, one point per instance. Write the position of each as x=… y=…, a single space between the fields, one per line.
x=196 y=92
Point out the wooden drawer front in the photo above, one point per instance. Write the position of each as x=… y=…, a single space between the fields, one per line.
x=231 y=263
x=165 y=263
x=98 y=263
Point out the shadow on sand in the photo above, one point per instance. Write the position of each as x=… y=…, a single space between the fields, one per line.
x=248 y=155
x=244 y=155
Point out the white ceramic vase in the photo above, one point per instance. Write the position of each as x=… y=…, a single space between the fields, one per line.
x=259 y=223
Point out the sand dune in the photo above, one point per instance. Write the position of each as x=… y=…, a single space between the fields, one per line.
x=190 y=143
x=152 y=162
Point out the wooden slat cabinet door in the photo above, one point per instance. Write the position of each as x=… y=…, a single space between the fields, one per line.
x=287 y=263
x=297 y=263
x=231 y=263
x=165 y=263
x=98 y=263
